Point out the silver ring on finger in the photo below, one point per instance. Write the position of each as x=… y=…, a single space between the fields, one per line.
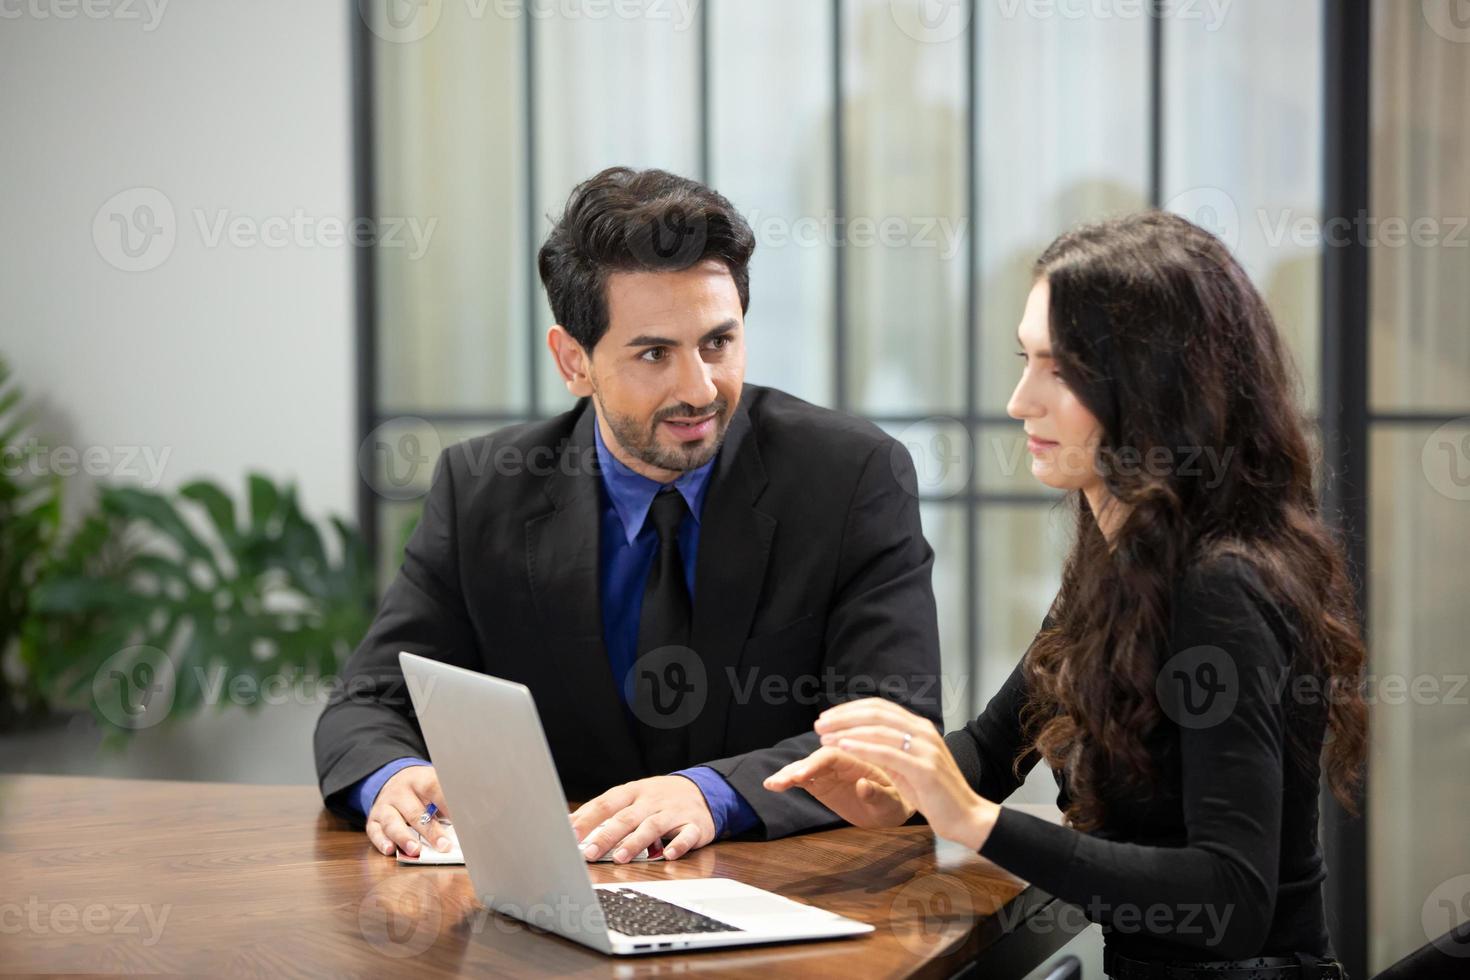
x=907 y=741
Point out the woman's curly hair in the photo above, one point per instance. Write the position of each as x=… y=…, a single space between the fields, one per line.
x=1161 y=335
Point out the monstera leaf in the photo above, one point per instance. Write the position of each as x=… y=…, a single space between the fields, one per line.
x=30 y=513
x=181 y=599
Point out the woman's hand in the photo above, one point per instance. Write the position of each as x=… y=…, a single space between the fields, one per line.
x=860 y=793
x=911 y=753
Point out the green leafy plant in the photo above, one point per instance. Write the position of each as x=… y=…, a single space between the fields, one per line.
x=30 y=514
x=180 y=583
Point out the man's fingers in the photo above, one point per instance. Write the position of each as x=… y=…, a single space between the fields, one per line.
x=398 y=831
x=686 y=840
x=379 y=839
x=586 y=817
x=644 y=835
x=601 y=838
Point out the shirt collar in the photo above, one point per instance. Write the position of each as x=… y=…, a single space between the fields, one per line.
x=632 y=493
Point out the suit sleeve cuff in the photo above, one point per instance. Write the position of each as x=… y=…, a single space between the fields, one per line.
x=731 y=814
x=365 y=793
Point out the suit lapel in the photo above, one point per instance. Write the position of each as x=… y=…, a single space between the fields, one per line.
x=734 y=544
x=561 y=564
x=562 y=567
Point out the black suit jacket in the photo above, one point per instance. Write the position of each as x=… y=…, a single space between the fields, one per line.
x=812 y=585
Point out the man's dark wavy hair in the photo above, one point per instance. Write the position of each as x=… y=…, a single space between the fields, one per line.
x=625 y=220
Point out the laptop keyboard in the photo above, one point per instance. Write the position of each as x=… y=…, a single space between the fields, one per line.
x=636 y=914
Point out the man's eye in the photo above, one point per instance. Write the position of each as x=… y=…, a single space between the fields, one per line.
x=720 y=343
x=653 y=354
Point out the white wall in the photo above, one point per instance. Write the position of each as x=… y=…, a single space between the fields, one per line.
x=217 y=358
x=223 y=357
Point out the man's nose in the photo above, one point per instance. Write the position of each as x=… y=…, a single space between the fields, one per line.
x=695 y=386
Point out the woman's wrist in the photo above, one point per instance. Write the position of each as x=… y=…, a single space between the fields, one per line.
x=980 y=823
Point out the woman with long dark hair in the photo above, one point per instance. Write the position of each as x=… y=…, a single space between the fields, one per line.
x=1200 y=669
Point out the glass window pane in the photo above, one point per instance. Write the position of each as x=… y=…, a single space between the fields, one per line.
x=451 y=316
x=944 y=528
x=1063 y=138
x=781 y=89
x=1421 y=198
x=397 y=460
x=1021 y=550
x=1243 y=150
x=609 y=90
x=904 y=118
x=1419 y=523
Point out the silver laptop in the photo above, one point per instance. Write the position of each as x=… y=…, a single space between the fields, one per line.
x=501 y=788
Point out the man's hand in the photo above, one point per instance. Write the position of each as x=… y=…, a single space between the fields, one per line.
x=394 y=817
x=857 y=791
x=640 y=814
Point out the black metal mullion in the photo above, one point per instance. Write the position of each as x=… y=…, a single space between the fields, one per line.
x=1155 y=106
x=972 y=521
x=1346 y=46
x=533 y=244
x=365 y=275
x=839 y=207
x=705 y=136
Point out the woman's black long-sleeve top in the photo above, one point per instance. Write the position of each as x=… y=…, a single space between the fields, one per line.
x=1222 y=860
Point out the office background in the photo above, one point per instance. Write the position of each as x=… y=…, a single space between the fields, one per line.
x=901 y=163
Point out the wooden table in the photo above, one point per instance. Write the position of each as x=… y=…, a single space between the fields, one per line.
x=116 y=875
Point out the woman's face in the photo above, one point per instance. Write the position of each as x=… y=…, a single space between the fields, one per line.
x=1063 y=434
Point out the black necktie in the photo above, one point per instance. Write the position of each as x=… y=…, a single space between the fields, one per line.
x=661 y=687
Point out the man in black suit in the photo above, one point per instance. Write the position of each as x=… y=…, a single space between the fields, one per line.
x=683 y=569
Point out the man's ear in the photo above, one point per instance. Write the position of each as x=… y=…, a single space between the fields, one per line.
x=571 y=360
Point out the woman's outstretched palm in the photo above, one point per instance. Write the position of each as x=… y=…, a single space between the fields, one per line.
x=858 y=792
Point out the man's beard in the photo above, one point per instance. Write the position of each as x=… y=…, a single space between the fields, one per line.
x=642 y=442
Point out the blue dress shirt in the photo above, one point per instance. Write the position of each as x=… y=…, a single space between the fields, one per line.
x=625 y=559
